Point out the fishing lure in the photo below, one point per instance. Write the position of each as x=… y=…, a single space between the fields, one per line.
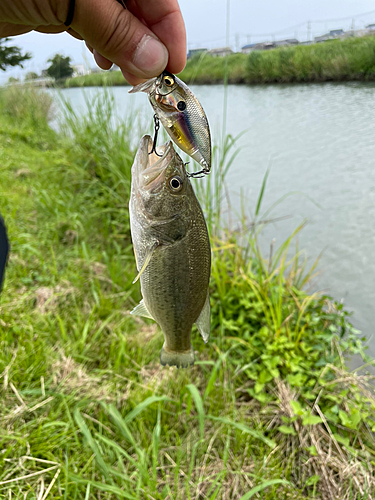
x=182 y=116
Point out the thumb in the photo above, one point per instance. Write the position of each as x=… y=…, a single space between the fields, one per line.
x=120 y=37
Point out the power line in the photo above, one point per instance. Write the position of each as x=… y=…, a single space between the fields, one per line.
x=319 y=21
x=345 y=18
x=290 y=29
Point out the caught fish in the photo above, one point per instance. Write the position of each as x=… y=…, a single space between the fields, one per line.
x=172 y=250
x=181 y=115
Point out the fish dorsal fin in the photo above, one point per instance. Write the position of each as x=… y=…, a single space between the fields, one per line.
x=147 y=261
x=141 y=310
x=204 y=321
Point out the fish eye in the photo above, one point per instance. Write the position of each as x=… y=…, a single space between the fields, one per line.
x=169 y=81
x=181 y=105
x=175 y=183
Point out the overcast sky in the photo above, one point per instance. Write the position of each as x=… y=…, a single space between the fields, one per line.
x=206 y=26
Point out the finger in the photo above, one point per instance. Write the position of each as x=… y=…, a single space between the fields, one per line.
x=52 y=28
x=89 y=47
x=164 y=18
x=133 y=80
x=74 y=34
x=121 y=38
x=101 y=61
x=9 y=29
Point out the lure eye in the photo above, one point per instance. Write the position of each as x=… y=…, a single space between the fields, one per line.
x=175 y=183
x=168 y=80
x=181 y=106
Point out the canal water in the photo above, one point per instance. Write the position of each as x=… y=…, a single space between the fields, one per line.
x=319 y=142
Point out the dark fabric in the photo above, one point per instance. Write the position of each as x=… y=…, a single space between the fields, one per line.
x=4 y=249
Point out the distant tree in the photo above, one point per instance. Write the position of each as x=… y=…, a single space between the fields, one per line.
x=31 y=75
x=60 y=67
x=12 y=79
x=11 y=55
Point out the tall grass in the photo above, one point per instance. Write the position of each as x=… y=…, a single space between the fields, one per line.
x=108 y=78
x=269 y=411
x=350 y=59
x=27 y=106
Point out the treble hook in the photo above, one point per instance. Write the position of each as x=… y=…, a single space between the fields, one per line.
x=156 y=131
x=198 y=175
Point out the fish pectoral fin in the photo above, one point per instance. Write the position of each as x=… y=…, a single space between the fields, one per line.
x=204 y=320
x=141 y=310
x=147 y=261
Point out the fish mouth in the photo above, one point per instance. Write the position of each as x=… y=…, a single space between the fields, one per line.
x=150 y=167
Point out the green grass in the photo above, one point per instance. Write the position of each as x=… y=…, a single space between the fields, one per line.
x=336 y=60
x=269 y=410
x=96 y=79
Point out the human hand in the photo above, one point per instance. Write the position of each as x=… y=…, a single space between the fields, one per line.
x=142 y=39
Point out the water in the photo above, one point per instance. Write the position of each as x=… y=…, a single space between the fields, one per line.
x=320 y=143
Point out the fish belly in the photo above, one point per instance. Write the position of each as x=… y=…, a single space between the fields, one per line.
x=174 y=288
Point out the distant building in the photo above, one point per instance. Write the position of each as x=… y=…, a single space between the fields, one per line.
x=221 y=52
x=264 y=46
x=246 y=49
x=330 y=36
x=322 y=38
x=356 y=33
x=80 y=70
x=285 y=43
x=195 y=52
x=336 y=33
x=370 y=27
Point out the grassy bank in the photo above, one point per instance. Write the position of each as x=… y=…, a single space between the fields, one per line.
x=336 y=60
x=269 y=410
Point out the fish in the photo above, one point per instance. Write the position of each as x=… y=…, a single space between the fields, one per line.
x=181 y=114
x=172 y=250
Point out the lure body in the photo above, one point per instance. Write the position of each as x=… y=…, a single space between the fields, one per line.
x=181 y=114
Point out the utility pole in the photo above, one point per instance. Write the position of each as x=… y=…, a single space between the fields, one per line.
x=353 y=26
x=308 y=31
x=237 y=42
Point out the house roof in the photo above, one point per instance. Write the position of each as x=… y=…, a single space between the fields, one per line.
x=336 y=32
x=248 y=46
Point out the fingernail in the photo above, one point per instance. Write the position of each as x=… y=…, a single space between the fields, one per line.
x=151 y=56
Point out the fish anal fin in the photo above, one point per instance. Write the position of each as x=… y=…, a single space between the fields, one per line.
x=141 y=310
x=204 y=320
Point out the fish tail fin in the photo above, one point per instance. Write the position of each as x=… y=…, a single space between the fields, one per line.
x=179 y=359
